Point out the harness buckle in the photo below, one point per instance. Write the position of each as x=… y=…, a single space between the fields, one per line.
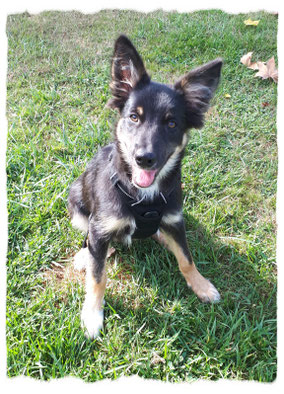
x=151 y=215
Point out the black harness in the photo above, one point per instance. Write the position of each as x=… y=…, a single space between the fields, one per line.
x=147 y=215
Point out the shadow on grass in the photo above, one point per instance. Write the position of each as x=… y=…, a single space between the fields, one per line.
x=236 y=276
x=151 y=315
x=238 y=333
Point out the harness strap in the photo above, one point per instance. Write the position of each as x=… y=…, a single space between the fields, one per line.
x=147 y=215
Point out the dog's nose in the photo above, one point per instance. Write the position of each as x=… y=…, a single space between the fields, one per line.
x=145 y=159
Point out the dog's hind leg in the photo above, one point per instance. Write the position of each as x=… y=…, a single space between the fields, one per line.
x=174 y=238
x=77 y=208
x=92 y=313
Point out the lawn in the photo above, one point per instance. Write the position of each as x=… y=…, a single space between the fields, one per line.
x=155 y=327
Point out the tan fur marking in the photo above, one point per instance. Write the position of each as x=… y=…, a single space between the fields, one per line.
x=201 y=286
x=95 y=291
x=112 y=224
x=80 y=222
x=172 y=218
x=140 y=111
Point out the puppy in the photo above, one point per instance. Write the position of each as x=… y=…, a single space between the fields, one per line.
x=132 y=187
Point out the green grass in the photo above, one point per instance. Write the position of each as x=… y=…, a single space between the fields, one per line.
x=58 y=76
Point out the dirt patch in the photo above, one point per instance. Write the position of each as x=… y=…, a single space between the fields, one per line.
x=62 y=274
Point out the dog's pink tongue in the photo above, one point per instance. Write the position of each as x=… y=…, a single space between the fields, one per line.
x=143 y=178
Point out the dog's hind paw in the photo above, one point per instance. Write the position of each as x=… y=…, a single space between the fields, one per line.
x=81 y=259
x=92 y=321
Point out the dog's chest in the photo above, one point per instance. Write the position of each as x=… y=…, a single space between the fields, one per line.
x=125 y=232
x=136 y=227
x=145 y=213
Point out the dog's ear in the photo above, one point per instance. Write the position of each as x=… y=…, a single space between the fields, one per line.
x=198 y=87
x=127 y=72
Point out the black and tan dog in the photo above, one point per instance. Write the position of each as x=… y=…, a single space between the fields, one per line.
x=132 y=187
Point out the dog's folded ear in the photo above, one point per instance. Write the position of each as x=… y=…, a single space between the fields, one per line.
x=198 y=87
x=127 y=72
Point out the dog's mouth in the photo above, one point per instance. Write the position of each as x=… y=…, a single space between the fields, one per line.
x=143 y=178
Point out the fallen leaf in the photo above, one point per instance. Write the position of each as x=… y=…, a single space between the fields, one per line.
x=262 y=70
x=253 y=66
x=156 y=359
x=246 y=60
x=272 y=70
x=267 y=70
x=265 y=104
x=249 y=22
x=227 y=95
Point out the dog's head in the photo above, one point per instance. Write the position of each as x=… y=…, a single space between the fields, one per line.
x=154 y=118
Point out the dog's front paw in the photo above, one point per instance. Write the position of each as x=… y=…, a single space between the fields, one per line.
x=209 y=293
x=92 y=320
x=204 y=289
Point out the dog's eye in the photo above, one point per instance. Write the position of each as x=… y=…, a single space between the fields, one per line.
x=134 y=117
x=172 y=124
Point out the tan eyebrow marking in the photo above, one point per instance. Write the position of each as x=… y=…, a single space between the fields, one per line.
x=140 y=111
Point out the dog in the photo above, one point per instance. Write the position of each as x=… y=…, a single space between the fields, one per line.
x=132 y=187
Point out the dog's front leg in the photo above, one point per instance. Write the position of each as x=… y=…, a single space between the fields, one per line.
x=92 y=313
x=174 y=238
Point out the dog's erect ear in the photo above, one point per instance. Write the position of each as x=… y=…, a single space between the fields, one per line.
x=127 y=72
x=198 y=87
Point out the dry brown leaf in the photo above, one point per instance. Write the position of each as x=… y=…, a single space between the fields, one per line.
x=267 y=70
x=253 y=66
x=272 y=70
x=262 y=70
x=265 y=104
x=156 y=359
x=246 y=60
